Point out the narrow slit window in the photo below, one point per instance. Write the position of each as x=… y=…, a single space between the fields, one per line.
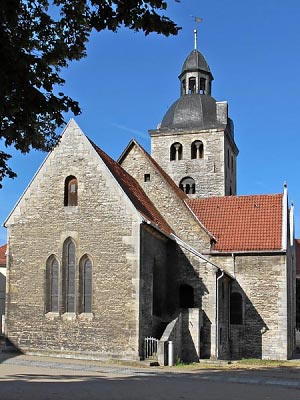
x=69 y=276
x=85 y=286
x=52 y=272
x=147 y=178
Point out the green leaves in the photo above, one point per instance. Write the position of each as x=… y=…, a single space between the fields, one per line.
x=37 y=39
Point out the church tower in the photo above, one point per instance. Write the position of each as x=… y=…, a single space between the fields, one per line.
x=194 y=143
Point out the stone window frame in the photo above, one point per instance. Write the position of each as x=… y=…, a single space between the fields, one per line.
x=49 y=290
x=176 y=151
x=188 y=185
x=62 y=285
x=239 y=318
x=71 y=191
x=69 y=277
x=83 y=307
x=197 y=155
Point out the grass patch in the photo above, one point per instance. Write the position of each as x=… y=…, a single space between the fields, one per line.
x=255 y=362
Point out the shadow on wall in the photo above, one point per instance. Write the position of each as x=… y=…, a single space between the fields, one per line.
x=8 y=349
x=186 y=290
x=246 y=335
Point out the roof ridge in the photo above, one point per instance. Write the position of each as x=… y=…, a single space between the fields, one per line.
x=134 y=191
x=163 y=173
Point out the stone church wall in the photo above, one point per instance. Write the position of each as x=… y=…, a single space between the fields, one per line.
x=104 y=226
x=185 y=268
x=208 y=172
x=261 y=280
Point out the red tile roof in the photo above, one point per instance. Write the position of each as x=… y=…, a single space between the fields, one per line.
x=242 y=223
x=134 y=192
x=2 y=255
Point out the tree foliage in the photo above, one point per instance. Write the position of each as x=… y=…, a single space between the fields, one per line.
x=37 y=39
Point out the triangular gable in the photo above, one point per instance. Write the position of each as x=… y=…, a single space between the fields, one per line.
x=167 y=179
x=165 y=176
x=242 y=223
x=134 y=194
x=36 y=176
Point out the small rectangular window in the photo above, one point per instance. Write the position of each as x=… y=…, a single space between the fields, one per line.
x=147 y=178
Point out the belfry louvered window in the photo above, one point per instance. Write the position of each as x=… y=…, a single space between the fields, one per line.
x=85 y=285
x=52 y=272
x=68 y=276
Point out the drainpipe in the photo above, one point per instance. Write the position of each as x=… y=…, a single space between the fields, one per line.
x=217 y=313
x=284 y=217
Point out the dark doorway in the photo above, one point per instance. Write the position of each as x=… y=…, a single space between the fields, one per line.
x=186 y=296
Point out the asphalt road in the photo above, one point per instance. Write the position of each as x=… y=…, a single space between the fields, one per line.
x=30 y=378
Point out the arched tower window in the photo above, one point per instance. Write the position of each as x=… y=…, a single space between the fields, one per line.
x=52 y=272
x=192 y=85
x=188 y=185
x=186 y=296
x=68 y=276
x=176 y=152
x=85 y=285
x=202 y=85
x=71 y=189
x=197 y=149
x=236 y=308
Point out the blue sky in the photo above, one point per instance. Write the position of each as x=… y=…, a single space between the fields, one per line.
x=128 y=81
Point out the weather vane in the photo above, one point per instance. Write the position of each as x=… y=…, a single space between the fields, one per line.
x=197 y=20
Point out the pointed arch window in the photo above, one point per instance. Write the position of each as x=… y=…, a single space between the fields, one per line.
x=197 y=150
x=52 y=272
x=71 y=191
x=68 y=276
x=85 y=285
x=188 y=185
x=176 y=152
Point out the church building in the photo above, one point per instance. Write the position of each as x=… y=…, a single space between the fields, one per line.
x=109 y=259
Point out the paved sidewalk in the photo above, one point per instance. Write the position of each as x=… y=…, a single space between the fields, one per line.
x=277 y=376
x=43 y=378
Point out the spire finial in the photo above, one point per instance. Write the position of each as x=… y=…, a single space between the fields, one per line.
x=199 y=20
x=195 y=39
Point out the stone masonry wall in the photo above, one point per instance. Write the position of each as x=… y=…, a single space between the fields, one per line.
x=186 y=268
x=105 y=226
x=212 y=173
x=153 y=288
x=261 y=279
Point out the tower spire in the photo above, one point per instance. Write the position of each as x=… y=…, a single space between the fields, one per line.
x=195 y=39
